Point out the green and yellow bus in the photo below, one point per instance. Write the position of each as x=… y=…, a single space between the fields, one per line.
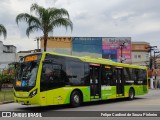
x=51 y=79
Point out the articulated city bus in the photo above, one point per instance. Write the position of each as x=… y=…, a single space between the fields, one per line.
x=51 y=79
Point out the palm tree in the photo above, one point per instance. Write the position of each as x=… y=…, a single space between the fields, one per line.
x=45 y=20
x=3 y=31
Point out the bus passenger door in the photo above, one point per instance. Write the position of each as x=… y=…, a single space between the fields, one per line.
x=119 y=81
x=95 y=81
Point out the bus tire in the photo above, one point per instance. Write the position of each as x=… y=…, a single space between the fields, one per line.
x=131 y=94
x=75 y=99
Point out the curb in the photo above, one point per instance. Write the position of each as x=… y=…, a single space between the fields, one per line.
x=6 y=102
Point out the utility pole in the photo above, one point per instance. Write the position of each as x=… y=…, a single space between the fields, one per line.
x=123 y=45
x=155 y=67
x=150 y=48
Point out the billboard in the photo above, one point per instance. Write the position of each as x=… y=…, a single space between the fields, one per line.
x=87 y=46
x=117 y=49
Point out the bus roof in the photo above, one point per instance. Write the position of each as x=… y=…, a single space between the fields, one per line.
x=98 y=60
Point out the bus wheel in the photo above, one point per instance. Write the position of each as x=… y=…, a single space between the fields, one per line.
x=131 y=94
x=75 y=99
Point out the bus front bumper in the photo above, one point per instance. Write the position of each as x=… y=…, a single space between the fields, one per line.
x=26 y=101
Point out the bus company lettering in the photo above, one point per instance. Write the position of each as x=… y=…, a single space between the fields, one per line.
x=106 y=88
x=14 y=114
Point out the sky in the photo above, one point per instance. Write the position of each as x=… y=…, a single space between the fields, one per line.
x=138 y=19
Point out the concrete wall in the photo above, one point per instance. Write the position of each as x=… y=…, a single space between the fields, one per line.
x=57 y=42
x=140 y=58
x=61 y=45
x=7 y=55
x=7 y=58
x=9 y=49
x=140 y=46
x=60 y=50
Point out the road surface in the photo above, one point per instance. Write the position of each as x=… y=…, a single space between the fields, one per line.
x=149 y=102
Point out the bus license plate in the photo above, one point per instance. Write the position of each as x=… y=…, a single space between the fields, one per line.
x=22 y=103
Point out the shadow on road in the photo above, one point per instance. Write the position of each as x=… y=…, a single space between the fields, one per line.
x=59 y=107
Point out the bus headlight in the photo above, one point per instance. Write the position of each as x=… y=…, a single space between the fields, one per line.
x=33 y=93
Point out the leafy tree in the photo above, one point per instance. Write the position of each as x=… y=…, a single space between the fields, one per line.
x=45 y=20
x=7 y=77
x=3 y=31
x=3 y=79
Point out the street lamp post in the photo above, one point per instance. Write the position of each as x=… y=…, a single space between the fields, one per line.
x=37 y=39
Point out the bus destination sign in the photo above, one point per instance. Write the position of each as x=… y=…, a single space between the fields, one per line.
x=30 y=58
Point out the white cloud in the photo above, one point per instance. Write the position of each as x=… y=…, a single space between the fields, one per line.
x=138 y=19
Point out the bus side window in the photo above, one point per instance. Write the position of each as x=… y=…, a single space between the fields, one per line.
x=46 y=72
x=114 y=77
x=51 y=77
x=75 y=72
x=143 y=76
x=107 y=75
x=86 y=74
x=127 y=74
x=135 y=76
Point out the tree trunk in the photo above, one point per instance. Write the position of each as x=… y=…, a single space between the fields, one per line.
x=45 y=41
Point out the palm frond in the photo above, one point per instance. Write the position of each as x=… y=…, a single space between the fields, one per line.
x=31 y=29
x=58 y=13
x=37 y=9
x=62 y=22
x=3 y=31
x=22 y=17
x=34 y=21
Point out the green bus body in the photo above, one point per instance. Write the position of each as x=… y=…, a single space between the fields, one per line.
x=62 y=95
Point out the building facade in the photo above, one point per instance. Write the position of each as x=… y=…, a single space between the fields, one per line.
x=7 y=55
x=140 y=54
x=103 y=47
x=58 y=44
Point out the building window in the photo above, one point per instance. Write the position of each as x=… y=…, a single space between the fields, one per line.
x=139 y=56
x=135 y=56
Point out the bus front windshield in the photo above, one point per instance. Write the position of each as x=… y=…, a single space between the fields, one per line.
x=26 y=74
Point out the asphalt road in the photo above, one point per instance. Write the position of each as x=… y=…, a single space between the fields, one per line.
x=149 y=102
